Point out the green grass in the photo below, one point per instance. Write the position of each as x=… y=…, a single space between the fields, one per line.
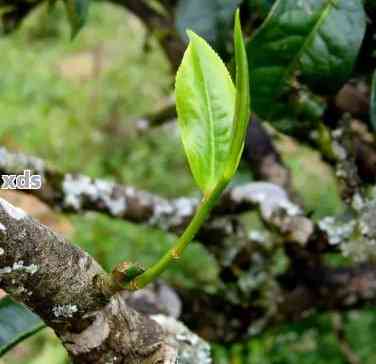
x=53 y=112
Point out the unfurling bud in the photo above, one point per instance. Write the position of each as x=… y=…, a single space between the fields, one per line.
x=125 y=272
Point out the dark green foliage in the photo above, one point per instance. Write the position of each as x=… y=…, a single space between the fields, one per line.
x=313 y=41
x=310 y=341
x=211 y=19
x=77 y=11
x=261 y=7
x=16 y=324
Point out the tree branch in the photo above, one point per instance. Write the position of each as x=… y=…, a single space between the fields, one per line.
x=78 y=193
x=306 y=286
x=69 y=291
x=298 y=294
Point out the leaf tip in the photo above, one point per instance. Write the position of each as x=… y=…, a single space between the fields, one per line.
x=191 y=35
x=237 y=16
x=237 y=26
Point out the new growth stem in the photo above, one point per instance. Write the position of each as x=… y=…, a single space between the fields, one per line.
x=203 y=210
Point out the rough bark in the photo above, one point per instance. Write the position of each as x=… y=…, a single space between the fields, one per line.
x=69 y=291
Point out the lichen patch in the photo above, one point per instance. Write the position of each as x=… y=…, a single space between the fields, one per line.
x=64 y=311
x=269 y=197
x=78 y=188
x=14 y=212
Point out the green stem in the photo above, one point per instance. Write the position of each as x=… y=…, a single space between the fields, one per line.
x=203 y=210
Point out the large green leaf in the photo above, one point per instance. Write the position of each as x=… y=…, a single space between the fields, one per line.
x=16 y=324
x=205 y=102
x=315 y=40
x=77 y=11
x=211 y=19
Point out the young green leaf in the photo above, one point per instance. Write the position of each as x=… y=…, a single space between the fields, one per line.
x=77 y=11
x=205 y=102
x=317 y=40
x=212 y=135
x=242 y=104
x=16 y=323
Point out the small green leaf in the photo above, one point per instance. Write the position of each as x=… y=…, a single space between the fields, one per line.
x=16 y=324
x=242 y=103
x=316 y=41
x=77 y=11
x=373 y=102
x=205 y=101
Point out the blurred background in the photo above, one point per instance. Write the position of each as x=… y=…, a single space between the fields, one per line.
x=76 y=104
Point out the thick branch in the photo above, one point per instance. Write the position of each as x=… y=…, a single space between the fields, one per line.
x=68 y=290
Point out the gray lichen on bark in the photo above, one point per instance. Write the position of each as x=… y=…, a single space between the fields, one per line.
x=18 y=162
x=78 y=188
x=276 y=209
x=80 y=193
x=191 y=348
